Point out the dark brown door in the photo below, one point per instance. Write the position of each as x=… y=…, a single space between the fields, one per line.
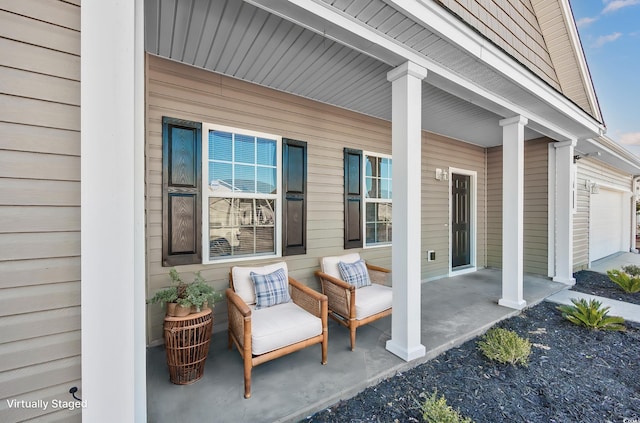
x=460 y=220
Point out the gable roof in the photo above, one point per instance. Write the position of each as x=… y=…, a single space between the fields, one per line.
x=561 y=36
x=541 y=35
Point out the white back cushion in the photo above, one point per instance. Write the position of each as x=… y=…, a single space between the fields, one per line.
x=243 y=284
x=330 y=264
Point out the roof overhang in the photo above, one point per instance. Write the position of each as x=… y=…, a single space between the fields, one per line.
x=469 y=80
x=608 y=151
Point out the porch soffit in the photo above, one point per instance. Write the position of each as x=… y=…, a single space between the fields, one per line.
x=246 y=42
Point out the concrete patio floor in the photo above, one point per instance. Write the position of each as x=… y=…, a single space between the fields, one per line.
x=290 y=388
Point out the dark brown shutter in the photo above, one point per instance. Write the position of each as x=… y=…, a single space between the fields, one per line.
x=294 y=184
x=181 y=193
x=352 y=198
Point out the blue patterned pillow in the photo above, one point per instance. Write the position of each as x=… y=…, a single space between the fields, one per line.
x=271 y=289
x=355 y=274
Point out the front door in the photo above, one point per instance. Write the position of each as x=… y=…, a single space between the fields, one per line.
x=460 y=220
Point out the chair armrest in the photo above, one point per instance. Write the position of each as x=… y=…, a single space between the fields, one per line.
x=310 y=300
x=334 y=280
x=378 y=268
x=377 y=274
x=239 y=318
x=342 y=296
x=234 y=301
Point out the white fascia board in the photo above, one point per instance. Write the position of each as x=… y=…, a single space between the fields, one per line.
x=323 y=19
x=435 y=17
x=612 y=154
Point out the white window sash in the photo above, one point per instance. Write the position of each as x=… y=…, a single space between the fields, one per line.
x=207 y=193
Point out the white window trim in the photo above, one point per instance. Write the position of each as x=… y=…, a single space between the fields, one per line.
x=366 y=200
x=206 y=127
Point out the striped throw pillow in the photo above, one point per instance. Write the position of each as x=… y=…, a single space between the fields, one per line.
x=355 y=273
x=271 y=289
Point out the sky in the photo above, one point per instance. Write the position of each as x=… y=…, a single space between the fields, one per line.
x=610 y=35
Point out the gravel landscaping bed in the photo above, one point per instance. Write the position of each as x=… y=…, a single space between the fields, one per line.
x=595 y=283
x=574 y=375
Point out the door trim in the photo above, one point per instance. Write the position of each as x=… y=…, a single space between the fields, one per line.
x=473 y=202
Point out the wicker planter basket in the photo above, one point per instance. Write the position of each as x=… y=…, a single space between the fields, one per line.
x=186 y=341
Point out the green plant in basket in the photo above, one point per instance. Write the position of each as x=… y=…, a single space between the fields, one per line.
x=436 y=410
x=628 y=282
x=505 y=346
x=165 y=296
x=197 y=294
x=591 y=314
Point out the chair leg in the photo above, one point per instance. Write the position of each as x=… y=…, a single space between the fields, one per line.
x=247 y=379
x=352 y=329
x=324 y=345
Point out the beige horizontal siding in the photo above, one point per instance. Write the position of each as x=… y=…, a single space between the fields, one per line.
x=604 y=175
x=514 y=27
x=535 y=223
x=39 y=206
x=185 y=92
x=38 y=415
x=441 y=152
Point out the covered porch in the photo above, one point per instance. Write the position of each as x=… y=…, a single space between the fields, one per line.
x=420 y=71
x=454 y=310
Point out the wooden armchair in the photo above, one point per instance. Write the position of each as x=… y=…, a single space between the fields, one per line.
x=350 y=306
x=264 y=333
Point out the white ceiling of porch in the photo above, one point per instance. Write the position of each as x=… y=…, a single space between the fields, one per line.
x=243 y=41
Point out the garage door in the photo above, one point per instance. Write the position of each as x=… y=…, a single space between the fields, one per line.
x=608 y=221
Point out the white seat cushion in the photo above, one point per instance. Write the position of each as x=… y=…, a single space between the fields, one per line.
x=281 y=325
x=373 y=299
x=330 y=264
x=243 y=284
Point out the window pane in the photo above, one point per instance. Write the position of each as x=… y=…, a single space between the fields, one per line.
x=220 y=145
x=385 y=188
x=240 y=227
x=244 y=178
x=371 y=233
x=223 y=228
x=266 y=183
x=220 y=176
x=245 y=149
x=373 y=190
x=266 y=152
x=385 y=168
x=378 y=223
x=371 y=166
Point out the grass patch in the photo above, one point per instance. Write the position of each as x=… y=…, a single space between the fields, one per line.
x=505 y=346
x=436 y=410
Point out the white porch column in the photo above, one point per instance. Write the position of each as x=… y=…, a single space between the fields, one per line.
x=512 y=212
x=113 y=357
x=564 y=198
x=406 y=149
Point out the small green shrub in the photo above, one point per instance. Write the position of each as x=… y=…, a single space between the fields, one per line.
x=591 y=314
x=505 y=346
x=629 y=282
x=631 y=269
x=436 y=410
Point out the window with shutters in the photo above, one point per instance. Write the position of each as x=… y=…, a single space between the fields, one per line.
x=377 y=199
x=367 y=199
x=230 y=194
x=241 y=194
